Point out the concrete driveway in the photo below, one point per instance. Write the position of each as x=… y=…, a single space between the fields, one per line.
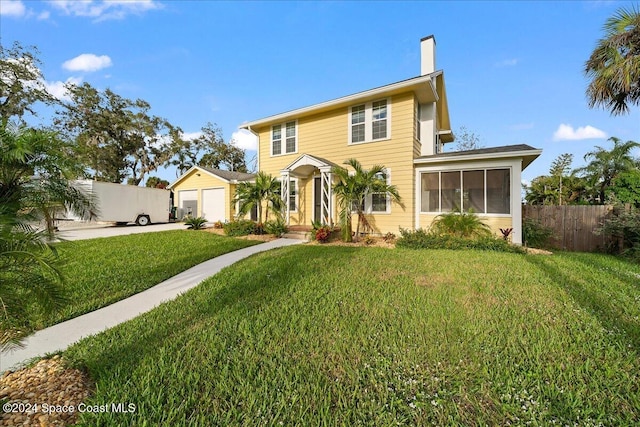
x=83 y=231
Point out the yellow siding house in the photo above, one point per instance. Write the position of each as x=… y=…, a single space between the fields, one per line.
x=403 y=126
x=207 y=193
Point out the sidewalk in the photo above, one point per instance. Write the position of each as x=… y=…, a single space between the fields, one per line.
x=62 y=335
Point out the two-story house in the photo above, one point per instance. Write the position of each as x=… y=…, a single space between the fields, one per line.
x=402 y=126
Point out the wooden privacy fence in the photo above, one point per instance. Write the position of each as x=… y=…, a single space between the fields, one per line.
x=574 y=226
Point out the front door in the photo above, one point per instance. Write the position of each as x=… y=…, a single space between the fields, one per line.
x=317 y=199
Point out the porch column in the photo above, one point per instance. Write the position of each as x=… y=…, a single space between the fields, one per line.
x=284 y=192
x=326 y=199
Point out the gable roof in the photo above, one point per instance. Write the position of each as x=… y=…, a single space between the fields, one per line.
x=527 y=152
x=231 y=177
x=423 y=86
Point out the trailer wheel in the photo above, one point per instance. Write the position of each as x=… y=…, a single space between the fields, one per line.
x=143 y=220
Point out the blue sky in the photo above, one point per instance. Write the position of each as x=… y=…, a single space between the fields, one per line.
x=513 y=69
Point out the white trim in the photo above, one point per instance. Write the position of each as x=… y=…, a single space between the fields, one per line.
x=369 y=201
x=368 y=122
x=283 y=138
x=297 y=195
x=306 y=160
x=516 y=177
x=193 y=168
x=461 y=201
x=471 y=157
x=313 y=197
x=424 y=87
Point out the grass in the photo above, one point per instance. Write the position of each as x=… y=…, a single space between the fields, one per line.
x=99 y=272
x=339 y=336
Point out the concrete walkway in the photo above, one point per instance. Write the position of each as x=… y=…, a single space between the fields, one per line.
x=62 y=335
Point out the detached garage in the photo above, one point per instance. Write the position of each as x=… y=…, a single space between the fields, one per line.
x=207 y=193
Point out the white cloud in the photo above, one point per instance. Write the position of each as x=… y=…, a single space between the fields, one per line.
x=58 y=89
x=190 y=136
x=12 y=8
x=568 y=133
x=44 y=15
x=102 y=10
x=244 y=139
x=507 y=62
x=87 y=62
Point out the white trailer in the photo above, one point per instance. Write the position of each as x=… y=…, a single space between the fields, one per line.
x=127 y=203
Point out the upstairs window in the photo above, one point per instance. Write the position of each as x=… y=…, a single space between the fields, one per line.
x=369 y=122
x=379 y=120
x=276 y=140
x=357 y=124
x=287 y=132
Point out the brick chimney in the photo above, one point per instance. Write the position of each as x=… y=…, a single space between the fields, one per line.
x=427 y=55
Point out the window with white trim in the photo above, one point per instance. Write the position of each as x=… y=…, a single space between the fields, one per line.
x=481 y=190
x=381 y=202
x=357 y=123
x=376 y=203
x=284 y=138
x=369 y=122
x=293 y=195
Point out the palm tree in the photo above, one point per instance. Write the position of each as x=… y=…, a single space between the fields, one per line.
x=460 y=224
x=264 y=190
x=35 y=171
x=33 y=185
x=352 y=189
x=614 y=65
x=28 y=273
x=606 y=165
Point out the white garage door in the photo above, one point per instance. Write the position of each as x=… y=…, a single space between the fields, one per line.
x=213 y=204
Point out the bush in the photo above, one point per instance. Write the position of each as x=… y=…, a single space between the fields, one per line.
x=218 y=225
x=242 y=227
x=389 y=237
x=421 y=239
x=460 y=224
x=196 y=223
x=322 y=234
x=276 y=227
x=535 y=234
x=624 y=227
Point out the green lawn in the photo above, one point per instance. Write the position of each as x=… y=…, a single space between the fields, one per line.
x=99 y=272
x=339 y=336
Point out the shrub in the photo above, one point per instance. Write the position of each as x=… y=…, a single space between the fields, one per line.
x=195 y=223
x=241 y=227
x=624 y=227
x=276 y=227
x=322 y=234
x=535 y=234
x=389 y=237
x=421 y=239
x=218 y=225
x=506 y=232
x=315 y=226
x=460 y=224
